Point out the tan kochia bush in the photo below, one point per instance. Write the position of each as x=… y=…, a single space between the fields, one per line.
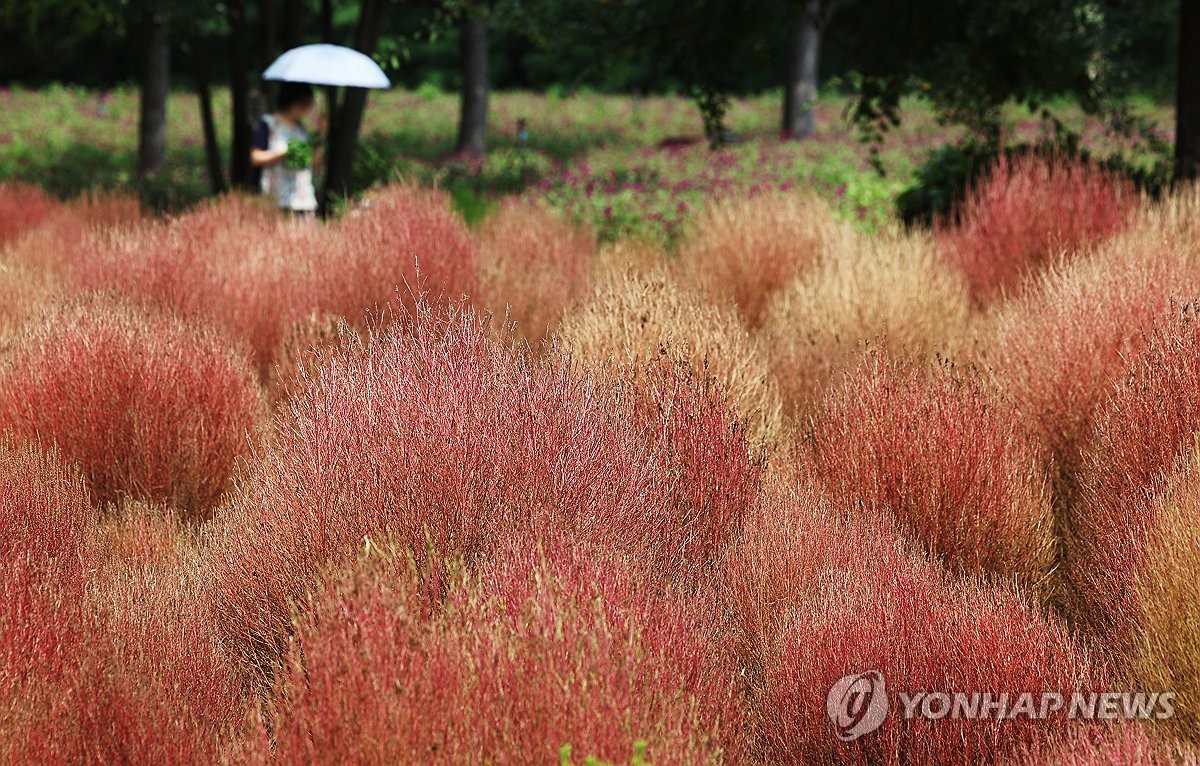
x=1167 y=656
x=745 y=251
x=24 y=291
x=1173 y=220
x=634 y=318
x=892 y=289
x=628 y=256
x=533 y=265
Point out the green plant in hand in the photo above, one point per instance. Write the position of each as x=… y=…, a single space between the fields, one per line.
x=639 y=757
x=299 y=155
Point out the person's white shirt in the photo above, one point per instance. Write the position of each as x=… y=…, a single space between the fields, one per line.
x=292 y=189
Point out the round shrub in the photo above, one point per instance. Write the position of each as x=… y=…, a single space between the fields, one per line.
x=148 y=407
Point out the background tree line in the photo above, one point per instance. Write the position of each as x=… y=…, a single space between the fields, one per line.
x=968 y=56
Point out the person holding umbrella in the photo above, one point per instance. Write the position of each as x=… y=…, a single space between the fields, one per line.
x=281 y=146
x=282 y=153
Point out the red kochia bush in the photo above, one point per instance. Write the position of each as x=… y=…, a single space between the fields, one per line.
x=538 y=650
x=402 y=241
x=935 y=451
x=820 y=593
x=1125 y=745
x=1027 y=211
x=442 y=438
x=148 y=407
x=22 y=207
x=1058 y=349
x=1142 y=434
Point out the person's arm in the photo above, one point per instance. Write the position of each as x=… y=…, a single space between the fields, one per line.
x=261 y=155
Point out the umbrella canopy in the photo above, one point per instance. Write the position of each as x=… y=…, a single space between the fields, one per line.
x=323 y=64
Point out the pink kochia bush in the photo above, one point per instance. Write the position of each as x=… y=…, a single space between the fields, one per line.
x=148 y=407
x=449 y=442
x=533 y=265
x=932 y=449
x=542 y=647
x=101 y=660
x=22 y=208
x=1028 y=211
x=255 y=275
x=1126 y=745
x=230 y=263
x=820 y=593
x=402 y=242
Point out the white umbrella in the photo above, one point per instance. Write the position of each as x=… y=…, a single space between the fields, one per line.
x=323 y=64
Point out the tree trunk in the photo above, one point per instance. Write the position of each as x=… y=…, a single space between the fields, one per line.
x=800 y=91
x=156 y=83
x=212 y=149
x=1187 y=104
x=293 y=23
x=345 y=123
x=266 y=33
x=327 y=21
x=472 y=126
x=239 y=89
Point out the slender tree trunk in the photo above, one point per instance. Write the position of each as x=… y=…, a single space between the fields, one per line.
x=156 y=83
x=239 y=89
x=472 y=126
x=802 y=75
x=293 y=23
x=331 y=104
x=1187 y=105
x=327 y=21
x=212 y=149
x=267 y=38
x=343 y=136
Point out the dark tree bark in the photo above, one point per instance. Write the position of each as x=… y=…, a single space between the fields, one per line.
x=212 y=149
x=331 y=99
x=327 y=21
x=293 y=23
x=239 y=88
x=155 y=87
x=267 y=38
x=802 y=73
x=347 y=117
x=472 y=125
x=1187 y=104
